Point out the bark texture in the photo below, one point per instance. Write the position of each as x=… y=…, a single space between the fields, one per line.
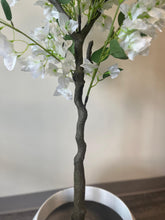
x=78 y=77
x=79 y=175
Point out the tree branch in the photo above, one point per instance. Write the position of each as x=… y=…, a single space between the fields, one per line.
x=89 y=25
x=89 y=51
x=58 y=6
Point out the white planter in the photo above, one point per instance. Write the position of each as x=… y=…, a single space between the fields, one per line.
x=92 y=194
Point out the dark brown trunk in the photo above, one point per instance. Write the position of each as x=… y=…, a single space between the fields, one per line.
x=78 y=77
x=79 y=176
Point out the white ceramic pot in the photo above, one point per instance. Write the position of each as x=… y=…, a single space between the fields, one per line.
x=94 y=194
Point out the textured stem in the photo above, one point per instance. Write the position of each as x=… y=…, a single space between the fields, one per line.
x=79 y=175
x=78 y=77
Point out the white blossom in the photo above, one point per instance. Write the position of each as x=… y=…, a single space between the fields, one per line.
x=66 y=25
x=49 y=10
x=157 y=18
x=142 y=19
x=41 y=33
x=114 y=71
x=61 y=47
x=138 y=24
x=33 y=65
x=62 y=88
x=7 y=52
x=135 y=44
x=52 y=70
x=88 y=66
x=68 y=64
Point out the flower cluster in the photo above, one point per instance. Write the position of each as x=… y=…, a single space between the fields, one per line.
x=142 y=20
x=7 y=52
x=56 y=58
x=52 y=37
x=52 y=46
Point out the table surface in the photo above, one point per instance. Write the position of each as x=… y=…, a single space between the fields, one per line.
x=145 y=198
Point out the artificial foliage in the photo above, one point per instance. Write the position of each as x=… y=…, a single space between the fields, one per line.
x=56 y=49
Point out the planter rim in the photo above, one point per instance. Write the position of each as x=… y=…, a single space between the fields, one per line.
x=94 y=194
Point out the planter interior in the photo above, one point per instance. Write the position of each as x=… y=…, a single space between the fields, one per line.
x=54 y=206
x=95 y=211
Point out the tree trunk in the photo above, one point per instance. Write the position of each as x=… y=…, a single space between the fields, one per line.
x=79 y=175
x=78 y=77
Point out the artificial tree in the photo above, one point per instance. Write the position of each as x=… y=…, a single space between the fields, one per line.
x=57 y=49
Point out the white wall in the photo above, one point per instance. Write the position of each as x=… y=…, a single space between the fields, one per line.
x=124 y=132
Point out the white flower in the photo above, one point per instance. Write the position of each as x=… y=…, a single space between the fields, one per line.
x=137 y=24
x=73 y=25
x=50 y=11
x=125 y=9
x=157 y=13
x=136 y=11
x=135 y=44
x=62 y=88
x=88 y=66
x=55 y=31
x=10 y=61
x=33 y=65
x=12 y=2
x=66 y=25
x=68 y=64
x=7 y=52
x=61 y=47
x=114 y=71
x=138 y=8
x=142 y=20
x=141 y=25
x=63 y=68
x=52 y=70
x=40 y=33
x=157 y=18
x=37 y=51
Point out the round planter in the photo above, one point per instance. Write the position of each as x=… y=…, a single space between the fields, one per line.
x=93 y=194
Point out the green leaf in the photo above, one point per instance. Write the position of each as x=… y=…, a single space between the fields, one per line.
x=67 y=37
x=6 y=9
x=106 y=74
x=143 y=35
x=96 y=56
x=64 y=1
x=71 y=48
x=116 y=50
x=121 y=18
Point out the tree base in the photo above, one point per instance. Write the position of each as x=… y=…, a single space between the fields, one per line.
x=95 y=211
